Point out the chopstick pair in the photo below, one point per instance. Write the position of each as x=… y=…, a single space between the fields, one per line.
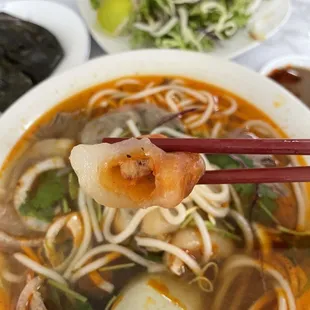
x=241 y=146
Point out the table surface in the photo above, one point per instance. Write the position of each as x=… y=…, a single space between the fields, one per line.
x=292 y=39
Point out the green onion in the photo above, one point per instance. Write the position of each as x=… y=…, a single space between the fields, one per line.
x=117 y=267
x=67 y=291
x=73 y=184
x=98 y=209
x=65 y=206
x=293 y=232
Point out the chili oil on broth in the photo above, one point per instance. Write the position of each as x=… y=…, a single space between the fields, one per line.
x=219 y=299
x=78 y=102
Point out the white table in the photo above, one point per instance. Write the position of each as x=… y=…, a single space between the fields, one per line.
x=293 y=38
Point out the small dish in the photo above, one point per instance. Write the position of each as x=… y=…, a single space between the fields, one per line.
x=64 y=23
x=283 y=62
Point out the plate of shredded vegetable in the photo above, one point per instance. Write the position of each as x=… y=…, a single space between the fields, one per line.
x=225 y=28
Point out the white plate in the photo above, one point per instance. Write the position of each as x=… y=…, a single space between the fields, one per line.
x=269 y=18
x=62 y=22
x=279 y=63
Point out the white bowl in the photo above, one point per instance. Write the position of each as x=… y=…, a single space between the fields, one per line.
x=283 y=62
x=249 y=85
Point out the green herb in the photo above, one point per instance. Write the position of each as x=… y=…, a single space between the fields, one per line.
x=41 y=200
x=73 y=184
x=65 y=206
x=67 y=291
x=95 y=4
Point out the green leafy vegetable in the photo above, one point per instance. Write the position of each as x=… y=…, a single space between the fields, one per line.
x=41 y=201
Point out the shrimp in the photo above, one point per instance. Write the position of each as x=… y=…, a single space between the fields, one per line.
x=135 y=173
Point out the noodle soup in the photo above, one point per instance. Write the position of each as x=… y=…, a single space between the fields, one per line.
x=60 y=249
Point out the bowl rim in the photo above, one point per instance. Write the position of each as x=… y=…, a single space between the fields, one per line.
x=26 y=110
x=300 y=61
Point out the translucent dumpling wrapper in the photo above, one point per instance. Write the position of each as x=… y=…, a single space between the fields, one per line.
x=135 y=173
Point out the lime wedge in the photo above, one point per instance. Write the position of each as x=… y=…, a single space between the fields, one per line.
x=113 y=13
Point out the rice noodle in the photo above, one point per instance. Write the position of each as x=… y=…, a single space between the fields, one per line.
x=8 y=241
x=172 y=249
x=262 y=127
x=133 y=128
x=123 y=82
x=170 y=132
x=26 y=294
x=302 y=207
x=11 y=277
x=99 y=95
x=236 y=200
x=94 y=220
x=38 y=268
x=206 y=115
x=174 y=219
x=148 y=92
x=240 y=261
x=25 y=182
x=282 y=304
x=130 y=229
x=170 y=101
x=202 y=198
x=87 y=234
x=151 y=266
x=232 y=109
x=205 y=237
x=216 y=130
x=246 y=229
x=74 y=224
x=98 y=263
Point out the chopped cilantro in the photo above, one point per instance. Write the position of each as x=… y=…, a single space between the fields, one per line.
x=43 y=198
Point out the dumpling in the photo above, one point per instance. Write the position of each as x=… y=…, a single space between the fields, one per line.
x=135 y=173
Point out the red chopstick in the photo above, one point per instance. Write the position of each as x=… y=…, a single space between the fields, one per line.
x=257 y=175
x=241 y=146
x=230 y=146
